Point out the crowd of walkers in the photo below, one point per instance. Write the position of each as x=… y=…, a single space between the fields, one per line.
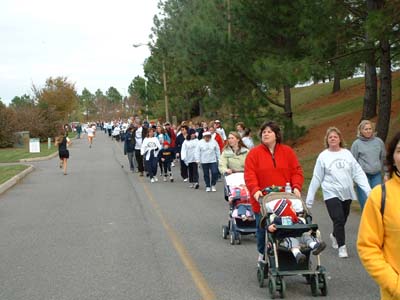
x=338 y=171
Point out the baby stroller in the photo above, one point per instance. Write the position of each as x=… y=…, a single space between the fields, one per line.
x=279 y=261
x=241 y=217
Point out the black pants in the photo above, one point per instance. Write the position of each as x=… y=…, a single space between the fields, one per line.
x=193 y=172
x=338 y=212
x=165 y=167
x=139 y=160
x=184 y=170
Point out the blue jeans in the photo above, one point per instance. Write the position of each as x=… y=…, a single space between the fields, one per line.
x=260 y=234
x=374 y=180
x=213 y=168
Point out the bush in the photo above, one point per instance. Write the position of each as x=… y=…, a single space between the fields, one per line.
x=7 y=126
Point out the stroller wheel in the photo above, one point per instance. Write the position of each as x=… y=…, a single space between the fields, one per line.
x=232 y=238
x=314 y=285
x=225 y=231
x=322 y=284
x=282 y=288
x=272 y=287
x=238 y=238
x=260 y=275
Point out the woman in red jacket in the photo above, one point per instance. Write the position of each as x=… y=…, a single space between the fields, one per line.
x=270 y=163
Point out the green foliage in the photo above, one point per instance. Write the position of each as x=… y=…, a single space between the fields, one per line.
x=8 y=172
x=7 y=124
x=113 y=95
x=22 y=102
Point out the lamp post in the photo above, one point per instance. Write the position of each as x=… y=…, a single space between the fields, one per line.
x=164 y=75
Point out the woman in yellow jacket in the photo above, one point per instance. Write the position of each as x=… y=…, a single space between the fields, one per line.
x=379 y=233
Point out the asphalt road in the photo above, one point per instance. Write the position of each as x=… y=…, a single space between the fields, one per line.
x=102 y=232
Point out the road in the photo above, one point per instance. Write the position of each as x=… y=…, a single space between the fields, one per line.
x=102 y=232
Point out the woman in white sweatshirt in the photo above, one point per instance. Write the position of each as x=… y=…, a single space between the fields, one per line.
x=189 y=147
x=335 y=170
x=207 y=153
x=149 y=151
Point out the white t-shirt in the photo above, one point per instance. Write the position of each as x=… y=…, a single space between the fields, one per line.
x=335 y=171
x=90 y=131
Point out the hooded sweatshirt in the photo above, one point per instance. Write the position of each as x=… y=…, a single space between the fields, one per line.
x=378 y=241
x=369 y=153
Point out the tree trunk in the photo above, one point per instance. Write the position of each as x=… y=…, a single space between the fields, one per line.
x=371 y=82
x=371 y=88
x=288 y=101
x=336 y=82
x=385 y=90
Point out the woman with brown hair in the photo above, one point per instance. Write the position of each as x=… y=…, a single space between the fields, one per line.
x=62 y=142
x=233 y=155
x=335 y=171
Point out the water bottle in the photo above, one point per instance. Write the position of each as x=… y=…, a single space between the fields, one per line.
x=288 y=188
x=237 y=193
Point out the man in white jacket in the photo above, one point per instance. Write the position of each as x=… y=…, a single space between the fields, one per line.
x=207 y=153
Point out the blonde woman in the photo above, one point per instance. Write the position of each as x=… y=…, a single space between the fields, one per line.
x=62 y=142
x=233 y=156
x=335 y=170
x=369 y=151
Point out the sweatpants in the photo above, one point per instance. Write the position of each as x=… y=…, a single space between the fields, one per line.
x=193 y=172
x=338 y=212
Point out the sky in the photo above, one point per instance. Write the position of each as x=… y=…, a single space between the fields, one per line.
x=87 y=41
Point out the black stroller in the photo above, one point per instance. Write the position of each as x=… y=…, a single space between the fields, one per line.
x=239 y=201
x=279 y=261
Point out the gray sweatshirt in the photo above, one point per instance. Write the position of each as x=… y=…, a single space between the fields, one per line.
x=369 y=153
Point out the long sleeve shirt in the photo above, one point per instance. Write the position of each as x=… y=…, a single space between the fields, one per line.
x=378 y=241
x=150 y=145
x=335 y=172
x=188 y=151
x=207 y=152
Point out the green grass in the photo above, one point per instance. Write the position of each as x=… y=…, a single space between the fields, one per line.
x=15 y=154
x=7 y=172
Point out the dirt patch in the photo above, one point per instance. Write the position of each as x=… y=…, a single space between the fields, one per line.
x=312 y=142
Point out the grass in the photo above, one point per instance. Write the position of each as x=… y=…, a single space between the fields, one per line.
x=8 y=155
x=7 y=172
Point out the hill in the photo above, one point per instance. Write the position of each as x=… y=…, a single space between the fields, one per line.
x=317 y=109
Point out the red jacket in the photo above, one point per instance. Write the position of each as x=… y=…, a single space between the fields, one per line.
x=261 y=170
x=219 y=141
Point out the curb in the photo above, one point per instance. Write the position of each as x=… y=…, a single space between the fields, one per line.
x=14 y=180
x=39 y=158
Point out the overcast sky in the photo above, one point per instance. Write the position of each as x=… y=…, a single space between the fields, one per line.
x=88 y=41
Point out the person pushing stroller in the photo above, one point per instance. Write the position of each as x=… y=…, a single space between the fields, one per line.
x=284 y=214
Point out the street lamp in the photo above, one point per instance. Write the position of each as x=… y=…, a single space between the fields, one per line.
x=164 y=83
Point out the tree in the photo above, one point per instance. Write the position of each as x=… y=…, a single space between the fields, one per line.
x=21 y=102
x=114 y=96
x=87 y=103
x=7 y=126
x=58 y=96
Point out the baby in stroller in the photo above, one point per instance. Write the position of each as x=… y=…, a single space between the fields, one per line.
x=241 y=216
x=285 y=214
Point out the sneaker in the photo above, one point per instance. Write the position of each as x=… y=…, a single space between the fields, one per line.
x=319 y=247
x=196 y=186
x=301 y=258
x=191 y=185
x=213 y=189
x=172 y=164
x=343 y=252
x=334 y=242
x=155 y=178
x=165 y=179
x=185 y=180
x=171 y=178
x=208 y=189
x=152 y=180
x=260 y=259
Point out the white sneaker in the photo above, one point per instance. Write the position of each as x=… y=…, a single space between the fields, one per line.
x=334 y=241
x=172 y=164
x=208 y=189
x=191 y=185
x=185 y=180
x=343 y=252
x=213 y=189
x=165 y=179
x=155 y=178
x=152 y=180
x=260 y=259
